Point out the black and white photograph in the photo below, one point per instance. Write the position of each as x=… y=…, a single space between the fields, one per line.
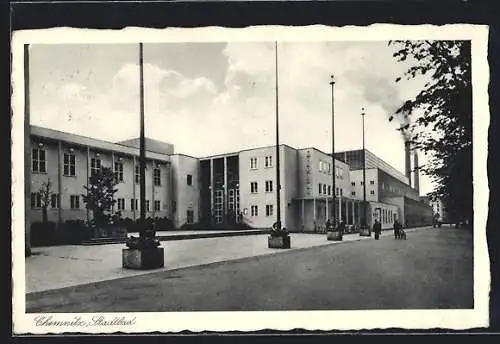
x=242 y=179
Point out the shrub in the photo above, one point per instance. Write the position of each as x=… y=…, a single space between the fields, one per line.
x=43 y=234
x=73 y=232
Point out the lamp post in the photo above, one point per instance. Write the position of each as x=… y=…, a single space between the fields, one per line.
x=334 y=170
x=363 y=222
x=334 y=232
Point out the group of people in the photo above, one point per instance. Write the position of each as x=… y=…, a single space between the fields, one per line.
x=398 y=229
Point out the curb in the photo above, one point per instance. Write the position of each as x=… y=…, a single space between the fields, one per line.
x=182 y=237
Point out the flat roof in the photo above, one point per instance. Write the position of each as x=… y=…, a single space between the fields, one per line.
x=91 y=142
x=221 y=155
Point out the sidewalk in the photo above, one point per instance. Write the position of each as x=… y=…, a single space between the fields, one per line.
x=63 y=266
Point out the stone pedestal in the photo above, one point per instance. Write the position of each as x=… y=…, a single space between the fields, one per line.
x=278 y=241
x=143 y=259
x=334 y=236
x=365 y=231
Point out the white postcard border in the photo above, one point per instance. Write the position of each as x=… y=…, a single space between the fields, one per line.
x=252 y=321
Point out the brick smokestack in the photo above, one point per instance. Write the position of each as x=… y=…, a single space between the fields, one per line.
x=408 y=161
x=416 y=175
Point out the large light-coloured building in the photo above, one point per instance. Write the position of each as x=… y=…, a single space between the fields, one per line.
x=68 y=161
x=222 y=189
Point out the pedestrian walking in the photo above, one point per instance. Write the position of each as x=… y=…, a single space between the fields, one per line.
x=397 y=227
x=377 y=228
x=341 y=227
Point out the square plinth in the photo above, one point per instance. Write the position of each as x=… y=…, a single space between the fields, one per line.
x=278 y=241
x=143 y=259
x=365 y=232
x=334 y=236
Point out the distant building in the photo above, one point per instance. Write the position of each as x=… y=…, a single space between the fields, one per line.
x=438 y=208
x=386 y=186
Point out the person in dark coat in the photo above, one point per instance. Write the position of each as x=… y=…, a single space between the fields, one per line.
x=377 y=228
x=397 y=227
x=341 y=227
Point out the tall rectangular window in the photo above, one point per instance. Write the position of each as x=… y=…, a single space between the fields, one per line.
x=157 y=177
x=36 y=200
x=329 y=190
x=54 y=200
x=320 y=188
x=269 y=161
x=157 y=205
x=120 y=202
x=147 y=205
x=254 y=210
x=336 y=191
x=134 y=204
x=189 y=179
x=269 y=186
x=39 y=162
x=137 y=174
x=75 y=202
x=372 y=182
x=253 y=187
x=69 y=164
x=95 y=165
x=324 y=189
x=253 y=163
x=119 y=171
x=372 y=192
x=341 y=192
x=269 y=210
x=353 y=183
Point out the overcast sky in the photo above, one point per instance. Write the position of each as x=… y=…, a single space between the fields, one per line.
x=210 y=98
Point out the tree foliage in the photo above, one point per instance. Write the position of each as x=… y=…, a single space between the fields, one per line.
x=45 y=197
x=100 y=196
x=442 y=117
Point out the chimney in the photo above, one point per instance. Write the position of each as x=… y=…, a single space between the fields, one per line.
x=416 y=176
x=408 y=161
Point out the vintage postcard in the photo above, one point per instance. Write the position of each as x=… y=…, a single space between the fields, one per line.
x=215 y=179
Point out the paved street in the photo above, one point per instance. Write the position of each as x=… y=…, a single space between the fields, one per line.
x=432 y=269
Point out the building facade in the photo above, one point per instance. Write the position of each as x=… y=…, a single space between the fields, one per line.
x=389 y=192
x=68 y=161
x=225 y=189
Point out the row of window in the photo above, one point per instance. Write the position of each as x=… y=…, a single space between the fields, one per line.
x=388 y=216
x=372 y=192
x=326 y=167
x=39 y=165
x=324 y=189
x=55 y=200
x=372 y=182
x=268 y=162
x=254 y=186
x=254 y=210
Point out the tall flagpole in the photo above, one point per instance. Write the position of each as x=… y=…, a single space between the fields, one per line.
x=278 y=184
x=142 y=157
x=334 y=169
x=27 y=149
x=364 y=223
